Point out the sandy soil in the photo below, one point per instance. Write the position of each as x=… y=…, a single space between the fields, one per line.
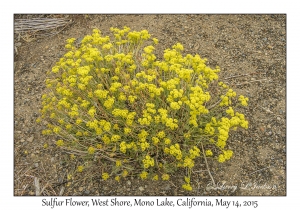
x=250 y=46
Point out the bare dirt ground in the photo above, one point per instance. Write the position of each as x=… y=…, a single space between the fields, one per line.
x=251 y=46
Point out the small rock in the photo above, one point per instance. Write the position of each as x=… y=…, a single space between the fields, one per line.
x=269 y=126
x=277 y=146
x=52 y=159
x=22 y=140
x=278 y=118
x=262 y=128
x=129 y=182
x=168 y=187
x=36 y=165
x=128 y=189
x=80 y=189
x=141 y=188
x=87 y=192
x=30 y=139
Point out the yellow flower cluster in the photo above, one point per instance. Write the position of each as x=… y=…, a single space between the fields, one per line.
x=148 y=161
x=165 y=177
x=175 y=151
x=105 y=176
x=144 y=174
x=227 y=154
x=187 y=186
x=243 y=100
x=114 y=95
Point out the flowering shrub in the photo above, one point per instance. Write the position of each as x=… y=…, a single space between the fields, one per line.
x=111 y=98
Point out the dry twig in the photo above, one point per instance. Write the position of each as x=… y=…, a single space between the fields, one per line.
x=212 y=179
x=28 y=29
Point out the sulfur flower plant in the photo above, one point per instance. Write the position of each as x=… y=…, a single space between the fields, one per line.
x=112 y=98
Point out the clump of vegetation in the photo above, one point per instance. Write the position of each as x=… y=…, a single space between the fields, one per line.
x=111 y=98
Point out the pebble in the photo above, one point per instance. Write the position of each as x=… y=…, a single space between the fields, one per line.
x=22 y=140
x=36 y=165
x=277 y=146
x=141 y=188
x=278 y=118
x=80 y=189
x=30 y=139
x=269 y=126
x=129 y=182
x=168 y=187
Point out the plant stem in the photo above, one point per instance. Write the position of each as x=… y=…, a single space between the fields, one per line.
x=212 y=179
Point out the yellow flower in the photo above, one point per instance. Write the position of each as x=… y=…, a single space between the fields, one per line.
x=187 y=187
x=155 y=41
x=155 y=177
x=221 y=158
x=118 y=163
x=167 y=141
x=144 y=175
x=117 y=178
x=124 y=173
x=208 y=153
x=80 y=168
x=91 y=150
x=161 y=134
x=155 y=140
x=92 y=111
x=165 y=177
x=69 y=177
x=127 y=130
x=187 y=179
x=230 y=111
x=178 y=46
x=148 y=161
x=105 y=176
x=72 y=156
x=59 y=143
x=243 y=100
